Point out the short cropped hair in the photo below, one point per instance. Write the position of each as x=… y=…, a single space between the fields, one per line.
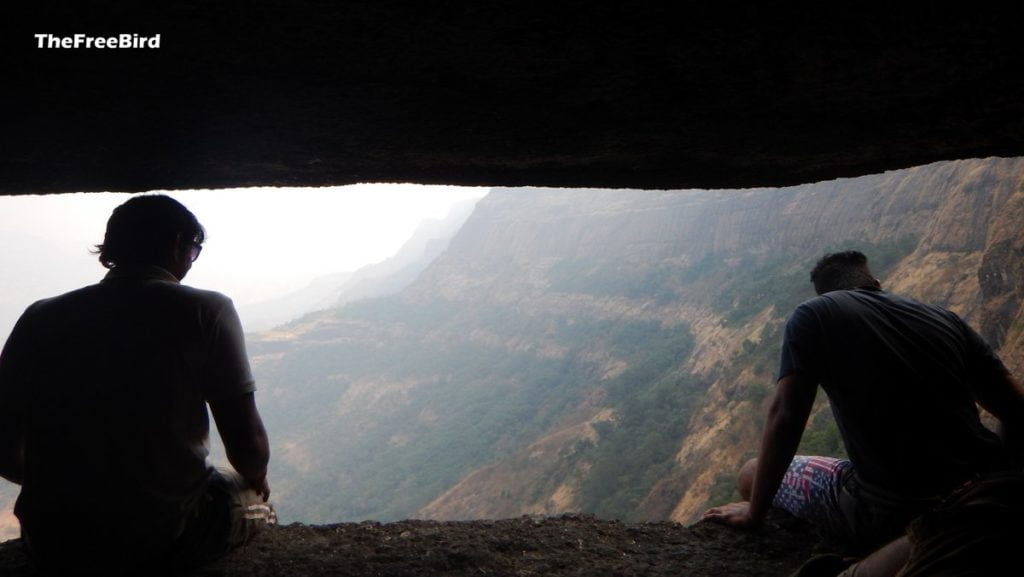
x=841 y=271
x=145 y=229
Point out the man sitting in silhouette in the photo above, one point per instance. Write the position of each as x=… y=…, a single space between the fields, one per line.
x=903 y=379
x=103 y=418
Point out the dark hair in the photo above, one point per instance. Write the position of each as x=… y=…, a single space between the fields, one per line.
x=145 y=229
x=841 y=271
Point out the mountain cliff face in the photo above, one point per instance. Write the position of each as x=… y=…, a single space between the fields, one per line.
x=389 y=276
x=609 y=352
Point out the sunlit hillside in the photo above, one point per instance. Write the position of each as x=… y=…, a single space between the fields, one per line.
x=608 y=351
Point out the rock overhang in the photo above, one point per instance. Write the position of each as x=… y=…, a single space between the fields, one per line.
x=588 y=94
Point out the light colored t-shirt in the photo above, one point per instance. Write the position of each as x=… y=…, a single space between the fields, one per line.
x=113 y=381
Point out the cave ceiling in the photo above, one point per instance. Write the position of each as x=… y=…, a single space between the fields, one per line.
x=591 y=94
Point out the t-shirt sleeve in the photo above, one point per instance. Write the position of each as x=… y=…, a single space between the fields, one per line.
x=228 y=373
x=800 y=345
x=15 y=363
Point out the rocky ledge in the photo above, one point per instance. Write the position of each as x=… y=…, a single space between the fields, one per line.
x=550 y=546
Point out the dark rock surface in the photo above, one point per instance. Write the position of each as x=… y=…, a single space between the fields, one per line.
x=552 y=546
x=569 y=93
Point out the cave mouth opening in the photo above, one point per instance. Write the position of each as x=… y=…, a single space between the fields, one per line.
x=262 y=244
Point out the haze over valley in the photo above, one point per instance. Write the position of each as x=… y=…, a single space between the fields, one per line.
x=599 y=351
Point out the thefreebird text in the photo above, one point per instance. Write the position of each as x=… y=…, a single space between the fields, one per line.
x=122 y=41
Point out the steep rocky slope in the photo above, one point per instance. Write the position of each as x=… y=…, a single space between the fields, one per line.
x=608 y=351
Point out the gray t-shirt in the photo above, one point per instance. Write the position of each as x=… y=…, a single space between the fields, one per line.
x=113 y=381
x=900 y=376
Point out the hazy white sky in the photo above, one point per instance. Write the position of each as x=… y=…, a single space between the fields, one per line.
x=261 y=242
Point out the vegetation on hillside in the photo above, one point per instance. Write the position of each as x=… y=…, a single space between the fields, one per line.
x=653 y=399
x=485 y=400
x=379 y=407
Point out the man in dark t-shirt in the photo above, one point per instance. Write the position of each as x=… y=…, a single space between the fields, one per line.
x=103 y=410
x=904 y=379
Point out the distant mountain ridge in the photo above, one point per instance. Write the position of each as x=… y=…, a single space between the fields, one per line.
x=429 y=240
x=608 y=351
x=389 y=276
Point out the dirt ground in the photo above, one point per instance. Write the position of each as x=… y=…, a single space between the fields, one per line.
x=555 y=546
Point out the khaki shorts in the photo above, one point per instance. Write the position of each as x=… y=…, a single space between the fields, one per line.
x=977 y=531
x=229 y=514
x=873 y=517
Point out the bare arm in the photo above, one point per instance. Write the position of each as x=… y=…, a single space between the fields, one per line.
x=787 y=417
x=1004 y=398
x=245 y=439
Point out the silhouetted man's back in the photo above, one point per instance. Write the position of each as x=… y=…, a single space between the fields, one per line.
x=111 y=384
